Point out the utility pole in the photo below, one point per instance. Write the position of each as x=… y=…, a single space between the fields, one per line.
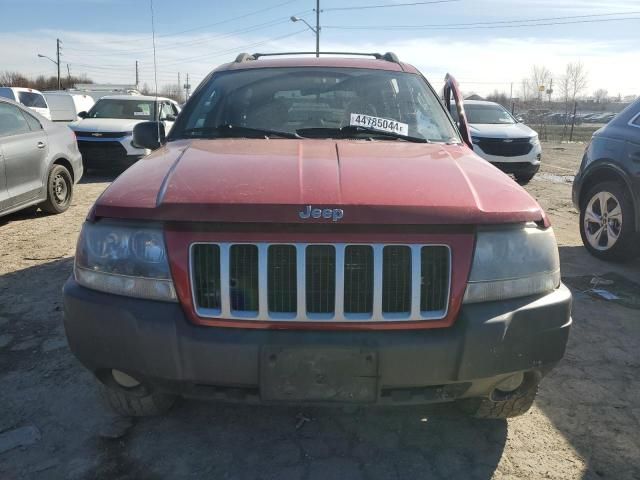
x=317 y=28
x=187 y=88
x=68 y=77
x=550 y=91
x=179 y=88
x=58 y=58
x=137 y=75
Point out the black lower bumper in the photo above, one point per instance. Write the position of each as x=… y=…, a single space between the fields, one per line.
x=518 y=168
x=154 y=342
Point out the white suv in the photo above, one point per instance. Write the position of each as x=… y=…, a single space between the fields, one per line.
x=33 y=99
x=500 y=139
x=105 y=132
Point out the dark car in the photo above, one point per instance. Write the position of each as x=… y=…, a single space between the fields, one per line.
x=606 y=189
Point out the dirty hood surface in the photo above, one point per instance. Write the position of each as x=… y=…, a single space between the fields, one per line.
x=271 y=181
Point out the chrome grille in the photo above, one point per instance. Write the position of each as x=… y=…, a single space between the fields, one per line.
x=335 y=282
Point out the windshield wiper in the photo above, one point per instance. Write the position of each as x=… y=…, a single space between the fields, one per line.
x=348 y=130
x=227 y=130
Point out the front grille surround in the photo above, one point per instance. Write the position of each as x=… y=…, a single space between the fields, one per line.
x=338 y=315
x=505 y=147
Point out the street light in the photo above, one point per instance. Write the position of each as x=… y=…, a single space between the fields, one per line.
x=314 y=30
x=55 y=63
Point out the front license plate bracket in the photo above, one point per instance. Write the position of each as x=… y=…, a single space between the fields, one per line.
x=318 y=374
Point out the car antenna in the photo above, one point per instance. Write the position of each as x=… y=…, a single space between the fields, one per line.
x=156 y=105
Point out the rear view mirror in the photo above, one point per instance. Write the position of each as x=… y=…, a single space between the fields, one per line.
x=83 y=114
x=149 y=135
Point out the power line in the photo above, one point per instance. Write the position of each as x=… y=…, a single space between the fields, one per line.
x=388 y=5
x=221 y=22
x=514 y=23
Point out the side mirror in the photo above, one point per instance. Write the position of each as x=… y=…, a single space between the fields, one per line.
x=83 y=114
x=519 y=119
x=149 y=135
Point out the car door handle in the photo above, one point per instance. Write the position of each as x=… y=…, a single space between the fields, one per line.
x=41 y=145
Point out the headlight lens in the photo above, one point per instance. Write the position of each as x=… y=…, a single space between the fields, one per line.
x=124 y=260
x=511 y=263
x=534 y=140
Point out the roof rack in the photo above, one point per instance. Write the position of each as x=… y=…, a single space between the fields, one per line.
x=389 y=56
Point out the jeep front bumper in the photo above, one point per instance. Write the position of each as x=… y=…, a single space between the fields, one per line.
x=155 y=343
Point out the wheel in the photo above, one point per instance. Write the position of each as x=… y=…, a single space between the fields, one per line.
x=524 y=178
x=59 y=190
x=504 y=404
x=137 y=403
x=607 y=222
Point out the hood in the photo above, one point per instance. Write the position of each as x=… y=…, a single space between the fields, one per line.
x=104 y=125
x=271 y=181
x=490 y=130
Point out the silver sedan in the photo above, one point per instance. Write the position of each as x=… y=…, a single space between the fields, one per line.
x=39 y=161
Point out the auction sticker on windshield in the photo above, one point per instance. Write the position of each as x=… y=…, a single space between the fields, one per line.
x=377 y=123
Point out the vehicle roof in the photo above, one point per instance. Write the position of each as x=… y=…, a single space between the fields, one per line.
x=135 y=97
x=480 y=102
x=328 y=61
x=24 y=89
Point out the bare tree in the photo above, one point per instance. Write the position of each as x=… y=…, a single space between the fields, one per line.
x=578 y=79
x=16 y=79
x=500 y=97
x=601 y=95
x=525 y=90
x=540 y=77
x=172 y=91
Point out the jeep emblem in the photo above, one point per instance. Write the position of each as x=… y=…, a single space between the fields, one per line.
x=334 y=214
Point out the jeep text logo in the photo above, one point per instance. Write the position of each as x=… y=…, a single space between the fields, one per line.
x=334 y=214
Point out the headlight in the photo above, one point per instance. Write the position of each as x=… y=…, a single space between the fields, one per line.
x=510 y=263
x=124 y=260
x=534 y=140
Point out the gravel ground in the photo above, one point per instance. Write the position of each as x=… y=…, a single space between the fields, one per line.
x=584 y=424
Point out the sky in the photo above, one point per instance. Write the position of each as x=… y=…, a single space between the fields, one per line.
x=486 y=44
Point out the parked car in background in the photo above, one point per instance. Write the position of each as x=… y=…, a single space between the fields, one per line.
x=28 y=97
x=39 y=161
x=65 y=106
x=606 y=188
x=317 y=230
x=105 y=132
x=500 y=139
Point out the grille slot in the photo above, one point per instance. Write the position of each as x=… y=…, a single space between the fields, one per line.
x=243 y=278
x=321 y=278
x=336 y=282
x=434 y=278
x=358 y=279
x=283 y=284
x=206 y=275
x=396 y=279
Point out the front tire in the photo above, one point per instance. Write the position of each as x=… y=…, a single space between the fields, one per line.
x=135 y=405
x=59 y=190
x=525 y=178
x=607 y=222
x=504 y=405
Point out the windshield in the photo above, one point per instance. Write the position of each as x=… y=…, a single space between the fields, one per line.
x=318 y=102
x=30 y=99
x=488 y=114
x=126 y=109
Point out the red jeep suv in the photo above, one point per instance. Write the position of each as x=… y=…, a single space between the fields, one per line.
x=317 y=230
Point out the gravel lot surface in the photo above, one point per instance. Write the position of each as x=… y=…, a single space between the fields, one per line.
x=585 y=423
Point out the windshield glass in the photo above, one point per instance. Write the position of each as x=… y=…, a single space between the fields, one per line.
x=492 y=114
x=30 y=99
x=129 y=109
x=292 y=100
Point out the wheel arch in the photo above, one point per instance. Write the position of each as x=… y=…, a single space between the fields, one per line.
x=610 y=173
x=62 y=161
